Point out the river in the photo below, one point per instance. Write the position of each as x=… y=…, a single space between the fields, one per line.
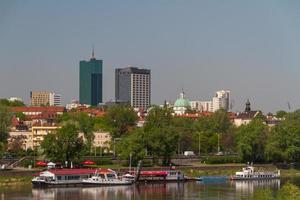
x=188 y=190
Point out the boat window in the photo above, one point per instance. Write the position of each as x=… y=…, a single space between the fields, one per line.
x=58 y=177
x=102 y=176
x=111 y=176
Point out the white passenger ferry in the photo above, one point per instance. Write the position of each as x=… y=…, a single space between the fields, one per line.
x=249 y=173
x=107 y=177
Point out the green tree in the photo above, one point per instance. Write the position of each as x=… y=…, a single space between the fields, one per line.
x=186 y=134
x=21 y=116
x=206 y=127
x=64 y=145
x=132 y=144
x=86 y=126
x=5 y=122
x=161 y=138
x=284 y=141
x=6 y=102
x=251 y=141
x=120 y=120
x=84 y=123
x=281 y=114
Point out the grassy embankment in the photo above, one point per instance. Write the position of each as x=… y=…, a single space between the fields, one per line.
x=14 y=180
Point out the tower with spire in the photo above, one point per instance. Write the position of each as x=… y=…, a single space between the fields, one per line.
x=90 y=81
x=248 y=106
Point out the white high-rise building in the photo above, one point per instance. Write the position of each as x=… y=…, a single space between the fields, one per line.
x=202 y=106
x=54 y=99
x=221 y=100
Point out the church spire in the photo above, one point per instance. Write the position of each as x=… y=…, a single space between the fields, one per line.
x=248 y=106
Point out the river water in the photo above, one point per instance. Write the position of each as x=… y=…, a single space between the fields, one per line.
x=187 y=191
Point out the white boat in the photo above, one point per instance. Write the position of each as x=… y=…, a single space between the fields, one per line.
x=60 y=177
x=107 y=177
x=249 y=173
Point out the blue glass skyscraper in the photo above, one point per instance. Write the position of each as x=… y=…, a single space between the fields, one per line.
x=90 y=81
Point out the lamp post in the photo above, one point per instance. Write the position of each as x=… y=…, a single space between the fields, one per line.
x=114 y=141
x=218 y=142
x=199 y=143
x=130 y=160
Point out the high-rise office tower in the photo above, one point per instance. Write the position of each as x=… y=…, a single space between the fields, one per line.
x=90 y=81
x=133 y=85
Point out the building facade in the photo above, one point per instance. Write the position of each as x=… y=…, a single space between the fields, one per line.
x=90 y=81
x=54 y=99
x=133 y=85
x=39 y=98
x=221 y=100
x=44 y=98
x=202 y=106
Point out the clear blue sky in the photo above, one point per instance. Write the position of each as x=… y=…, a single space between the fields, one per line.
x=249 y=47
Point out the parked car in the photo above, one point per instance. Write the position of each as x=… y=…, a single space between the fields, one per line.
x=189 y=153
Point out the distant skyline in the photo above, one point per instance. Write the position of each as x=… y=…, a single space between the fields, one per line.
x=248 y=47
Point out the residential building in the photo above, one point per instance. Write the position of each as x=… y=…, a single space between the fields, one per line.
x=44 y=98
x=39 y=98
x=221 y=100
x=246 y=117
x=25 y=135
x=54 y=99
x=90 y=81
x=133 y=85
x=202 y=106
x=102 y=139
x=39 y=131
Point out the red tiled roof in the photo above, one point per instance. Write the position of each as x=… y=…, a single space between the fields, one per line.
x=39 y=109
x=79 y=171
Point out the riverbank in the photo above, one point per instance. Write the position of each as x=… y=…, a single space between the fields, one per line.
x=24 y=176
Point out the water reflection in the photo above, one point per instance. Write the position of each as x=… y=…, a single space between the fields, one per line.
x=249 y=186
x=188 y=190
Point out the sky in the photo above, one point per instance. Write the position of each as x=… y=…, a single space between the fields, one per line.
x=248 y=47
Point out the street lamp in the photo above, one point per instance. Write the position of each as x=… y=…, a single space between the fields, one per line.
x=199 y=143
x=218 y=142
x=114 y=141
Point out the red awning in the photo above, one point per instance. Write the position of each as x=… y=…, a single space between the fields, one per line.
x=88 y=162
x=41 y=164
x=154 y=173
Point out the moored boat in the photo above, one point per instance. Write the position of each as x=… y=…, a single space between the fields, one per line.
x=60 y=177
x=107 y=177
x=212 y=179
x=249 y=173
x=160 y=175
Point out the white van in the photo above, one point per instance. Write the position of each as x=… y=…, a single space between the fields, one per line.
x=188 y=153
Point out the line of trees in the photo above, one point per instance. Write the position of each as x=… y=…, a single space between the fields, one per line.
x=164 y=135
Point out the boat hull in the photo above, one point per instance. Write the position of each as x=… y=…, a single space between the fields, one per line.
x=105 y=183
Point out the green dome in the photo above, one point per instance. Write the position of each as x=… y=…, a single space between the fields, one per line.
x=182 y=102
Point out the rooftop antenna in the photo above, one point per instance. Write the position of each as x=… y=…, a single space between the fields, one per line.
x=289 y=105
x=93 y=52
